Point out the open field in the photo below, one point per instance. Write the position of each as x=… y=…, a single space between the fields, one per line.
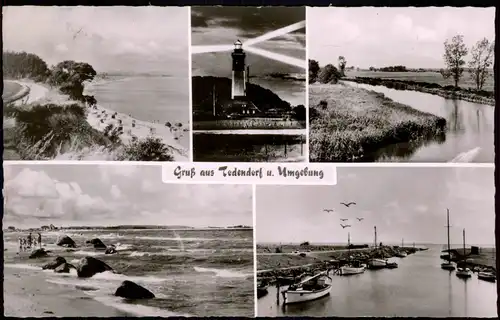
x=428 y=76
x=352 y=124
x=249 y=123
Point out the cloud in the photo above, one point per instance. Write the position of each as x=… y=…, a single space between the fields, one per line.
x=252 y=20
x=34 y=193
x=421 y=208
x=147 y=186
x=115 y=192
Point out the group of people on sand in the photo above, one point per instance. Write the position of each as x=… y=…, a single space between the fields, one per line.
x=30 y=242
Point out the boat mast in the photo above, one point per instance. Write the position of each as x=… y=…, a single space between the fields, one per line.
x=213 y=100
x=448 y=232
x=402 y=243
x=349 y=245
x=465 y=259
x=375 y=228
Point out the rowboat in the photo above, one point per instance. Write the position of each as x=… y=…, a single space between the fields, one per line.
x=447 y=266
x=311 y=288
x=377 y=263
x=487 y=276
x=391 y=265
x=350 y=270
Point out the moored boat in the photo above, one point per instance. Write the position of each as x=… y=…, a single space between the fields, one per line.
x=311 y=288
x=401 y=254
x=391 y=265
x=464 y=272
x=377 y=263
x=487 y=276
x=448 y=265
x=353 y=267
x=262 y=289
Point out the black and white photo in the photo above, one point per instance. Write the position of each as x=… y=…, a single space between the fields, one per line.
x=96 y=83
x=115 y=241
x=383 y=242
x=401 y=84
x=248 y=84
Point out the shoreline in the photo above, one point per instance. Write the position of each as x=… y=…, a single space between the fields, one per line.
x=424 y=87
x=351 y=124
x=99 y=117
x=28 y=294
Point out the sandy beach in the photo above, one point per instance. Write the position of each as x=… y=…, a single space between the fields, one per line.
x=100 y=118
x=28 y=294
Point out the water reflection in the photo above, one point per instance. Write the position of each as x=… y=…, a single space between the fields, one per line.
x=469 y=126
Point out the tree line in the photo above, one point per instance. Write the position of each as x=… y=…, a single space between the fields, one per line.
x=69 y=76
x=455 y=52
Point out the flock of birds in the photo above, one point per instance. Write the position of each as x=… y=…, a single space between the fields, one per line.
x=343 y=219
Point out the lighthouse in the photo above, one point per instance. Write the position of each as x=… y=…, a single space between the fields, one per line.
x=239 y=76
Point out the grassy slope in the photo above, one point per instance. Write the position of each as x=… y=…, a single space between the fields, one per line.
x=430 y=77
x=357 y=122
x=10 y=88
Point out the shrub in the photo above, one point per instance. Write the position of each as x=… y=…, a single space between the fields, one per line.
x=148 y=149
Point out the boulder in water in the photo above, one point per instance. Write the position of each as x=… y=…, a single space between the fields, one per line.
x=54 y=264
x=110 y=250
x=64 y=268
x=131 y=290
x=98 y=244
x=38 y=253
x=66 y=241
x=89 y=266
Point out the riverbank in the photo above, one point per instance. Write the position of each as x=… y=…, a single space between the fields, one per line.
x=74 y=131
x=447 y=92
x=349 y=124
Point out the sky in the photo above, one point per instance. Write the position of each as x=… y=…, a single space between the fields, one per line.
x=225 y=25
x=381 y=37
x=130 y=39
x=99 y=195
x=402 y=202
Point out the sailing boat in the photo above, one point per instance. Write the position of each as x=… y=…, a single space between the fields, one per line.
x=448 y=265
x=311 y=288
x=401 y=253
x=376 y=263
x=464 y=272
x=351 y=268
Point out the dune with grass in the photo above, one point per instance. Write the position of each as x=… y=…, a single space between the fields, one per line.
x=45 y=124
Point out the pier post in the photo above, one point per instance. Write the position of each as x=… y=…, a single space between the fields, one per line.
x=285 y=150
x=277 y=292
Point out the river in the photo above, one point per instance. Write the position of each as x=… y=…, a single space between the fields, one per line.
x=469 y=136
x=418 y=288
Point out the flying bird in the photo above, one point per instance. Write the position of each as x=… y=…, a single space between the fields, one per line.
x=348 y=204
x=328 y=210
x=344 y=219
x=359 y=219
x=76 y=33
x=345 y=226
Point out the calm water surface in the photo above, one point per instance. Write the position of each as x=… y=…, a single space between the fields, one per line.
x=418 y=288
x=469 y=135
x=148 y=98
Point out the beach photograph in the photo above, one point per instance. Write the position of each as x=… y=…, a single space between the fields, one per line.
x=248 y=84
x=115 y=241
x=382 y=242
x=401 y=84
x=96 y=83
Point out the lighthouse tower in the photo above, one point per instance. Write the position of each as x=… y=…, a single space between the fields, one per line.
x=239 y=73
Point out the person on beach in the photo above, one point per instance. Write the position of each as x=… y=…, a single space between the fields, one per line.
x=40 y=239
x=30 y=240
